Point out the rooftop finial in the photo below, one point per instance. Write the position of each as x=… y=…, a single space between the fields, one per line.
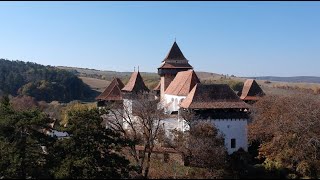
x=175 y=39
x=138 y=68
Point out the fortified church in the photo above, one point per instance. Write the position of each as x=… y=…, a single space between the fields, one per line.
x=180 y=90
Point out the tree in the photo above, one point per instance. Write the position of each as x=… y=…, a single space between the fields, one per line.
x=42 y=82
x=287 y=128
x=202 y=145
x=206 y=146
x=141 y=124
x=22 y=103
x=22 y=139
x=91 y=151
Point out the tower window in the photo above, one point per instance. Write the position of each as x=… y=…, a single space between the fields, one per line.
x=233 y=143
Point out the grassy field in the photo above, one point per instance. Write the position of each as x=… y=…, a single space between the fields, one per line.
x=96 y=84
x=98 y=80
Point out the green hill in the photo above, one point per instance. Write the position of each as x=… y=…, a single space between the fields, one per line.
x=42 y=82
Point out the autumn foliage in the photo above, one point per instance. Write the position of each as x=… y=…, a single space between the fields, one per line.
x=287 y=127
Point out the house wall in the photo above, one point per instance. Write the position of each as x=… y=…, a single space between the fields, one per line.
x=165 y=81
x=127 y=105
x=174 y=100
x=231 y=128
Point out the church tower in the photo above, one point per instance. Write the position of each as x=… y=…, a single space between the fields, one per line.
x=173 y=63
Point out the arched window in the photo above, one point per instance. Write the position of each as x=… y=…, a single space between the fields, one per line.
x=181 y=99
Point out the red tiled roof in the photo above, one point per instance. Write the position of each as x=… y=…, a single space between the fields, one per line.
x=251 y=89
x=157 y=88
x=113 y=91
x=252 y=98
x=135 y=84
x=212 y=96
x=183 y=83
x=173 y=65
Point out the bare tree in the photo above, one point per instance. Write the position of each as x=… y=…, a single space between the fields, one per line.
x=138 y=120
x=202 y=145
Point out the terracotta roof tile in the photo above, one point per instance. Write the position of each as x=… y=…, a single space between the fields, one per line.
x=183 y=83
x=113 y=91
x=212 y=96
x=157 y=88
x=251 y=89
x=135 y=84
x=173 y=65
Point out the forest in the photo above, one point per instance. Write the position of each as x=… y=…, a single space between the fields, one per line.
x=45 y=83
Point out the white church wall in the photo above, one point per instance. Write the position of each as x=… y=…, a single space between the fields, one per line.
x=230 y=128
x=233 y=129
x=174 y=102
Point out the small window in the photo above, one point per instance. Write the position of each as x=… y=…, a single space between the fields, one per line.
x=140 y=154
x=166 y=157
x=233 y=143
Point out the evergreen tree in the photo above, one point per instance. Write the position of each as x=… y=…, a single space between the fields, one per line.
x=91 y=151
x=21 y=142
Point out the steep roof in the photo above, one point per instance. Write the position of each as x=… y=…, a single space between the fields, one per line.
x=212 y=96
x=183 y=83
x=175 y=53
x=251 y=90
x=173 y=65
x=175 y=59
x=113 y=91
x=135 y=84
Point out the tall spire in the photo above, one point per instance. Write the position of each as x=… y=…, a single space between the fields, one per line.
x=175 y=53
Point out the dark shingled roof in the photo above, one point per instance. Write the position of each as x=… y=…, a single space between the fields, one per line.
x=212 y=96
x=183 y=83
x=135 y=84
x=251 y=90
x=175 y=53
x=175 y=59
x=113 y=91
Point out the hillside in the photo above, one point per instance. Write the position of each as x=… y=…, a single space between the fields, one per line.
x=42 y=82
x=93 y=77
x=98 y=80
x=296 y=79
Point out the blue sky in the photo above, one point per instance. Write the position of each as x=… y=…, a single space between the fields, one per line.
x=239 y=38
